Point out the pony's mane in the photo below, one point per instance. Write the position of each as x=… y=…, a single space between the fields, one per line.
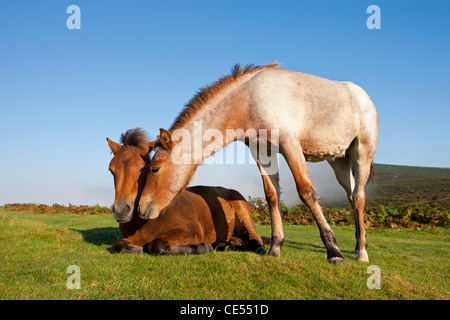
x=206 y=93
x=134 y=137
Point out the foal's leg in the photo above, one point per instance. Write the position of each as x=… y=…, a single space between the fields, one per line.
x=248 y=245
x=244 y=222
x=125 y=245
x=227 y=245
x=272 y=192
x=292 y=152
x=161 y=247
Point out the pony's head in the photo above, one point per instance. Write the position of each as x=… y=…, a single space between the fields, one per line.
x=129 y=168
x=166 y=179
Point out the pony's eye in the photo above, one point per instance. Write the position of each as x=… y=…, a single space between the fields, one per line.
x=155 y=169
x=142 y=169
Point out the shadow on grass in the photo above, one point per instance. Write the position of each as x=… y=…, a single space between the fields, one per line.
x=101 y=236
x=107 y=235
x=309 y=247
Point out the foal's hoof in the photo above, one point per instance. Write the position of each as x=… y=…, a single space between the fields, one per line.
x=204 y=248
x=336 y=260
x=229 y=247
x=223 y=246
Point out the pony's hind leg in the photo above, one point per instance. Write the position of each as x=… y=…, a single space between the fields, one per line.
x=356 y=196
x=342 y=168
x=292 y=152
x=125 y=245
x=362 y=171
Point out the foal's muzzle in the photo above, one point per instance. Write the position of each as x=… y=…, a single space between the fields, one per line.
x=123 y=212
x=146 y=212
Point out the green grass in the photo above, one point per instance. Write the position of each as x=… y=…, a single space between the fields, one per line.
x=38 y=249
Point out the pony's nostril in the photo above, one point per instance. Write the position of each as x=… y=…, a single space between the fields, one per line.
x=121 y=211
x=145 y=212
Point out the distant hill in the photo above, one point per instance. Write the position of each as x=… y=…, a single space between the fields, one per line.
x=406 y=185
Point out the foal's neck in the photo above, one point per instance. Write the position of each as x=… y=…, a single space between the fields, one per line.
x=217 y=118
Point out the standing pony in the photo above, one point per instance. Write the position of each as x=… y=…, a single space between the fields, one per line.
x=301 y=116
x=200 y=217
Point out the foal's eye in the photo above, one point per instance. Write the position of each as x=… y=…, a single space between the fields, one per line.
x=141 y=169
x=155 y=169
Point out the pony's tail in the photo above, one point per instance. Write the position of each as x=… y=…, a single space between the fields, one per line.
x=266 y=240
x=371 y=173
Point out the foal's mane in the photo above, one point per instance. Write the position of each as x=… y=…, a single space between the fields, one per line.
x=134 y=137
x=206 y=93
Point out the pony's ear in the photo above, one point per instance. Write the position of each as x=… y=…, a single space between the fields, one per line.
x=150 y=145
x=113 y=145
x=165 y=137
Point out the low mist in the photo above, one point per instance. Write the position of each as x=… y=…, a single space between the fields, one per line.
x=246 y=179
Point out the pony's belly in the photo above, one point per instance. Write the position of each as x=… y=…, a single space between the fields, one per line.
x=315 y=151
x=321 y=156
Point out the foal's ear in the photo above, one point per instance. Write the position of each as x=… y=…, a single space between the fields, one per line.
x=150 y=145
x=165 y=137
x=113 y=145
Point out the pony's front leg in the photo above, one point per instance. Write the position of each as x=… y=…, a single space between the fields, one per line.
x=272 y=192
x=295 y=159
x=125 y=245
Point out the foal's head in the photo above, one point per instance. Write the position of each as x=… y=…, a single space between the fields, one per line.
x=165 y=179
x=129 y=166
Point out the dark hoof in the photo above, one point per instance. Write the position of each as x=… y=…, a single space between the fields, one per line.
x=223 y=246
x=261 y=251
x=116 y=249
x=157 y=247
x=204 y=248
x=336 y=260
x=229 y=247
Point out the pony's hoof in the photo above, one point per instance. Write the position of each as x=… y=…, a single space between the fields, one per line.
x=274 y=253
x=362 y=256
x=336 y=260
x=261 y=251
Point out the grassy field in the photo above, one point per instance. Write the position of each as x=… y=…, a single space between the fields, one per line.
x=38 y=249
x=405 y=185
x=395 y=185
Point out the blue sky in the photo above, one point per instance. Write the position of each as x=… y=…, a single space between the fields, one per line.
x=136 y=63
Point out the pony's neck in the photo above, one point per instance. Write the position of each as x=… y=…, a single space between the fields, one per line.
x=216 y=118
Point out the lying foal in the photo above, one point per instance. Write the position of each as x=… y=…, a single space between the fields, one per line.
x=199 y=219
